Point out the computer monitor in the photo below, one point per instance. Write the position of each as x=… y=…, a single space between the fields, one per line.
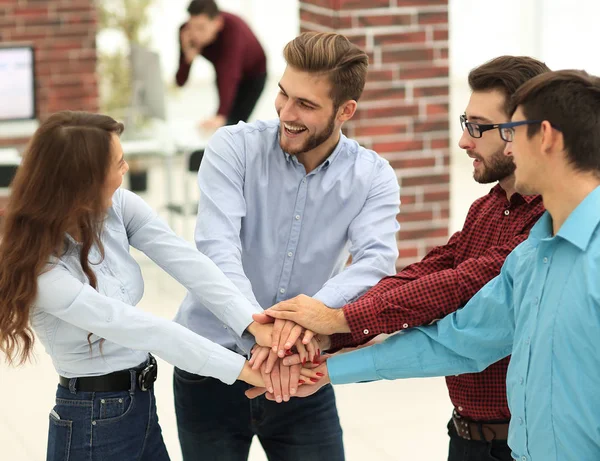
x=17 y=83
x=148 y=95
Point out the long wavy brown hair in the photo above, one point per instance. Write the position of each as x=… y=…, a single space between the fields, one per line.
x=57 y=190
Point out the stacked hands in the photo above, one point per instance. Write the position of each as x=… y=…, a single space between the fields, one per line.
x=287 y=359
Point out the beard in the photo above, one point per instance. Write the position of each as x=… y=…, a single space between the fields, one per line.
x=495 y=168
x=314 y=140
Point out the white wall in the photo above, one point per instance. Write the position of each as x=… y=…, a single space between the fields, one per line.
x=562 y=33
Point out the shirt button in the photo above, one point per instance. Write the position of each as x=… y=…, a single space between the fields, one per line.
x=282 y=290
x=527 y=341
x=506 y=212
x=524 y=458
x=122 y=289
x=297 y=217
x=521 y=380
x=290 y=254
x=536 y=301
x=545 y=260
x=304 y=180
x=520 y=421
x=460 y=408
x=405 y=325
x=366 y=331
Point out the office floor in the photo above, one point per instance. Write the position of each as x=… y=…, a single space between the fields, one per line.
x=382 y=421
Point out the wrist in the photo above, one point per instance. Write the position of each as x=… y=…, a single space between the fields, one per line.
x=340 y=323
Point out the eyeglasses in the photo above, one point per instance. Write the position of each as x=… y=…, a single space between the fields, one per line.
x=506 y=130
x=476 y=130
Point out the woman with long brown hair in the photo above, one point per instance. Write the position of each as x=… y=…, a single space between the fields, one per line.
x=67 y=275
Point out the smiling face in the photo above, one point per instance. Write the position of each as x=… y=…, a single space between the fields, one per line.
x=490 y=164
x=306 y=111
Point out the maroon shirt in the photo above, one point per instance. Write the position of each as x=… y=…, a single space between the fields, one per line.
x=235 y=53
x=445 y=280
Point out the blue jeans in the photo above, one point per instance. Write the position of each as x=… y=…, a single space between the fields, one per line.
x=476 y=450
x=217 y=422
x=105 y=426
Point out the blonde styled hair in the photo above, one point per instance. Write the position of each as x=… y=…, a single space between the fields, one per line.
x=333 y=55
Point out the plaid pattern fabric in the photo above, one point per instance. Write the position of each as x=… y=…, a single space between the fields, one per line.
x=442 y=283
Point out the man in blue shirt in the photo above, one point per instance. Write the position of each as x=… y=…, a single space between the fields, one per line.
x=544 y=307
x=283 y=204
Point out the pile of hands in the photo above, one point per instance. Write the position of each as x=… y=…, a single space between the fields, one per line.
x=288 y=360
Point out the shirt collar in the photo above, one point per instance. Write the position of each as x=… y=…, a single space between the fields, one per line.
x=497 y=189
x=579 y=227
x=582 y=222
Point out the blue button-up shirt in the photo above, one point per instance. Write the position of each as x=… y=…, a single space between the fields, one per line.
x=67 y=308
x=544 y=308
x=278 y=232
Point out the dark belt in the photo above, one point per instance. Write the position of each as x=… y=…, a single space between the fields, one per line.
x=146 y=374
x=478 y=430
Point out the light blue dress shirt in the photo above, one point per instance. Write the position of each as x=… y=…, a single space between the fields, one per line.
x=544 y=308
x=278 y=232
x=67 y=308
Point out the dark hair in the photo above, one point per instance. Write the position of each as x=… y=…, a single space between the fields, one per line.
x=506 y=74
x=570 y=100
x=207 y=7
x=56 y=188
x=333 y=55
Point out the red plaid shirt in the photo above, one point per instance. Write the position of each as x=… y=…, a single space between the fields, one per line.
x=442 y=283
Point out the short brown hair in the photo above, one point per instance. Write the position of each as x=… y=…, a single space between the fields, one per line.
x=506 y=74
x=333 y=55
x=207 y=7
x=570 y=101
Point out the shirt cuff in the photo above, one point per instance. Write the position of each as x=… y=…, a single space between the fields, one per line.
x=330 y=297
x=362 y=320
x=353 y=367
x=223 y=364
x=239 y=316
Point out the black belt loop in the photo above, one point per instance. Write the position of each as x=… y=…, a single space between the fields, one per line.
x=133 y=381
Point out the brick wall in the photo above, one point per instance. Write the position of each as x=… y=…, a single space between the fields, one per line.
x=403 y=113
x=63 y=33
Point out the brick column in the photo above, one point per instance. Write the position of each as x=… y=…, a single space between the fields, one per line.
x=63 y=33
x=403 y=112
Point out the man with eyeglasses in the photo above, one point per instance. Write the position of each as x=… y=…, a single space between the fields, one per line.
x=544 y=307
x=450 y=275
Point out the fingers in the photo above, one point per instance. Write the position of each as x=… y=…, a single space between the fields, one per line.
x=301 y=352
x=285 y=333
x=267 y=379
x=254 y=392
x=262 y=318
x=308 y=335
x=293 y=337
x=292 y=360
x=312 y=347
x=271 y=361
x=276 y=334
x=313 y=375
x=284 y=376
x=289 y=306
x=284 y=315
x=276 y=383
x=259 y=357
x=294 y=378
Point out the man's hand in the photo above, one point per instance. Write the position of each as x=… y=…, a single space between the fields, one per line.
x=211 y=124
x=253 y=377
x=311 y=314
x=189 y=49
x=285 y=334
x=311 y=380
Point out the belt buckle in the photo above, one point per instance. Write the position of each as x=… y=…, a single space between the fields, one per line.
x=148 y=375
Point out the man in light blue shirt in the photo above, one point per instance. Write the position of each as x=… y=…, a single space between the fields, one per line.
x=283 y=204
x=544 y=307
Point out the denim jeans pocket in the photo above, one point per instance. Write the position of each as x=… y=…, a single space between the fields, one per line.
x=114 y=408
x=59 y=439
